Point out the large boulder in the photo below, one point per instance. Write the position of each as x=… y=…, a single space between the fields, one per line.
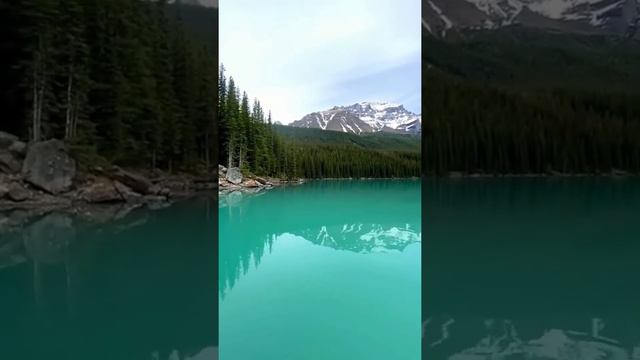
x=234 y=175
x=136 y=182
x=49 y=167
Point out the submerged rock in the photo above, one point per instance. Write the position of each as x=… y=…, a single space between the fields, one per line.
x=47 y=239
x=49 y=167
x=234 y=175
x=234 y=198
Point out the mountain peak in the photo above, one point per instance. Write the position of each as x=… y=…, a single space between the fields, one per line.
x=442 y=18
x=364 y=117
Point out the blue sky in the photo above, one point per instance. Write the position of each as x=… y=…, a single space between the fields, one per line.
x=297 y=57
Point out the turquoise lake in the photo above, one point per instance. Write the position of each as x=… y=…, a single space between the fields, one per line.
x=111 y=283
x=511 y=268
x=531 y=268
x=324 y=270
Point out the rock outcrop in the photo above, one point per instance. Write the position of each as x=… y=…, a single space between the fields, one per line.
x=234 y=176
x=43 y=175
x=48 y=166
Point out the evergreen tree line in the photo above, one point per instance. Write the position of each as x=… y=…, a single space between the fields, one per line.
x=121 y=81
x=248 y=139
x=484 y=128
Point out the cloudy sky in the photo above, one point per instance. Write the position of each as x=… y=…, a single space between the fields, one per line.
x=298 y=57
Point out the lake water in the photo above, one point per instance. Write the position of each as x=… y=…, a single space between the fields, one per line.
x=331 y=270
x=328 y=270
x=110 y=285
x=531 y=268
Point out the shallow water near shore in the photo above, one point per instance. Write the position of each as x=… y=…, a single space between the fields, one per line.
x=324 y=270
x=109 y=285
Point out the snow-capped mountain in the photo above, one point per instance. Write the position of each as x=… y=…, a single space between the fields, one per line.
x=364 y=117
x=444 y=18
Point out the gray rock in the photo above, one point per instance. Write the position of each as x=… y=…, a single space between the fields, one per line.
x=18 y=193
x=136 y=182
x=19 y=148
x=6 y=140
x=154 y=198
x=100 y=192
x=234 y=175
x=126 y=192
x=9 y=162
x=49 y=167
x=155 y=190
x=4 y=189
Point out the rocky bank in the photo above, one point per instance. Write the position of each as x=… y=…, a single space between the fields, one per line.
x=44 y=175
x=232 y=179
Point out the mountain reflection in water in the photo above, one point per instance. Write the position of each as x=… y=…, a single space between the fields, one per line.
x=538 y=268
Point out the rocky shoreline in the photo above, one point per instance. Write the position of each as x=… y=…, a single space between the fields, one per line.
x=232 y=179
x=549 y=174
x=44 y=175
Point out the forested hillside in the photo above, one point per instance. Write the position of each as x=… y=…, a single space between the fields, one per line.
x=250 y=140
x=122 y=81
x=371 y=141
x=524 y=101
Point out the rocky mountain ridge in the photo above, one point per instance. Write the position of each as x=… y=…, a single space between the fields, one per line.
x=364 y=117
x=447 y=18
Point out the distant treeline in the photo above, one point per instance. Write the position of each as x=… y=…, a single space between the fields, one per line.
x=122 y=81
x=249 y=139
x=531 y=102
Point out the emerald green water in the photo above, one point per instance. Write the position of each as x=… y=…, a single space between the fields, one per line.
x=531 y=269
x=326 y=270
x=110 y=285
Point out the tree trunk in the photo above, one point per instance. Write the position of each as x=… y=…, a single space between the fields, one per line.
x=206 y=151
x=35 y=131
x=230 y=160
x=68 y=132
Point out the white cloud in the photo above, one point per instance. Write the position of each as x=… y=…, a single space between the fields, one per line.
x=293 y=54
